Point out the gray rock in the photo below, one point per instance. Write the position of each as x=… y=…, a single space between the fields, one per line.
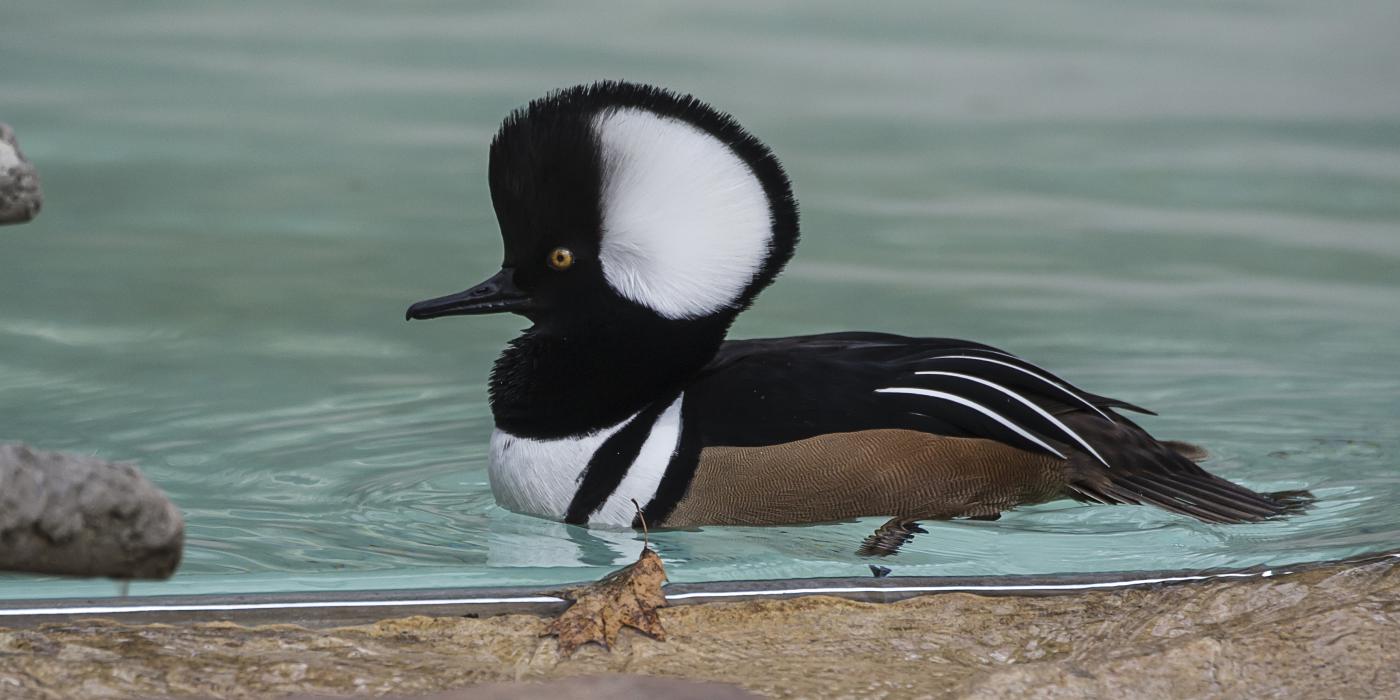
x=82 y=516
x=20 y=197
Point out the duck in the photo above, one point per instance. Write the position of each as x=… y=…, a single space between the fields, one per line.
x=637 y=223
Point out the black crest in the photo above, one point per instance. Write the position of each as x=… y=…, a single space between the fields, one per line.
x=547 y=151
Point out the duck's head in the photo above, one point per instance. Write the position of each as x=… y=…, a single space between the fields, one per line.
x=622 y=203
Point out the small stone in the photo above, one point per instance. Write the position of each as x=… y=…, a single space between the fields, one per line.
x=82 y=516
x=20 y=196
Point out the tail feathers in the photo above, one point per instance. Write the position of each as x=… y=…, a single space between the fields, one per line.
x=1164 y=474
x=1295 y=501
x=1106 y=402
x=1194 y=492
x=1193 y=452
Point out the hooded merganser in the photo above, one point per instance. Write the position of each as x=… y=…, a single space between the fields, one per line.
x=638 y=224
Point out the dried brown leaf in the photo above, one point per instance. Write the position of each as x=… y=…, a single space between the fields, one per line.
x=628 y=597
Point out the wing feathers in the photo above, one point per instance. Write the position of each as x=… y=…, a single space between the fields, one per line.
x=978 y=408
x=1039 y=414
x=1116 y=461
x=1015 y=372
x=847 y=382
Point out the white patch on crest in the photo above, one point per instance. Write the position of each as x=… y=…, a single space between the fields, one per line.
x=686 y=223
x=539 y=477
x=644 y=476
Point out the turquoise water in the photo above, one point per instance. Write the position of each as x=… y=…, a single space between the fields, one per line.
x=1195 y=207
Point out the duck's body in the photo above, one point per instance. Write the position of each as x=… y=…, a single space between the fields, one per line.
x=637 y=225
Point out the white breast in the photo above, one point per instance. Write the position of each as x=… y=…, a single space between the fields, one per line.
x=540 y=477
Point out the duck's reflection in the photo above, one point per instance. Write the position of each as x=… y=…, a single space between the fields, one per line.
x=523 y=541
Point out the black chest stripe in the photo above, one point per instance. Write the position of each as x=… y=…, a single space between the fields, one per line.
x=679 y=473
x=609 y=464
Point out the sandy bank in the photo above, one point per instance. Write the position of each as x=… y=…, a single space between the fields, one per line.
x=1326 y=632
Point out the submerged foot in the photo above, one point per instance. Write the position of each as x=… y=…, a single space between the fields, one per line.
x=888 y=538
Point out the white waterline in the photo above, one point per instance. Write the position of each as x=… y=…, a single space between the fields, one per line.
x=967 y=588
x=962 y=588
x=221 y=607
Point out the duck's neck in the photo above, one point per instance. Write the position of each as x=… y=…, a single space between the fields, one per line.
x=569 y=382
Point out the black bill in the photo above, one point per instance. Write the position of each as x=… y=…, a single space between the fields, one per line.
x=496 y=295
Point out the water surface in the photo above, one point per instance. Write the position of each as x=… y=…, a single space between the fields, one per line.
x=1193 y=207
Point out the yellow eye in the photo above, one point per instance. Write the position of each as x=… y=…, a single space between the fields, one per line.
x=561 y=258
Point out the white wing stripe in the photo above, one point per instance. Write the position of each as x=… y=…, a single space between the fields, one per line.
x=1042 y=412
x=648 y=467
x=974 y=406
x=1023 y=370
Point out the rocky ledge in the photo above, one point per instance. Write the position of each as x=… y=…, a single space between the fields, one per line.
x=1325 y=632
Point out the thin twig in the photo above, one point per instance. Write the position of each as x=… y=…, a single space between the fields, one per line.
x=646 y=536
